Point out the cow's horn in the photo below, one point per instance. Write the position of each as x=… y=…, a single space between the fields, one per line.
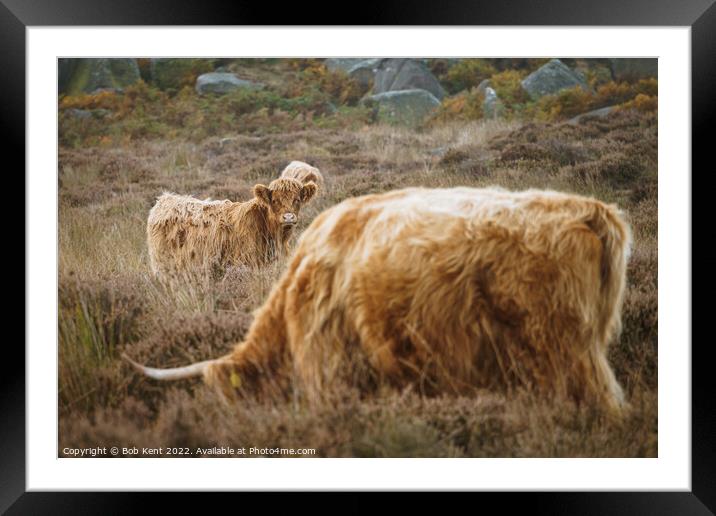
x=176 y=373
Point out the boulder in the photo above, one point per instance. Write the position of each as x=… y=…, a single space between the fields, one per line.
x=492 y=106
x=342 y=63
x=406 y=74
x=65 y=69
x=404 y=107
x=92 y=75
x=596 y=113
x=551 y=78
x=361 y=69
x=633 y=69
x=221 y=83
x=364 y=71
x=124 y=72
x=484 y=84
x=84 y=114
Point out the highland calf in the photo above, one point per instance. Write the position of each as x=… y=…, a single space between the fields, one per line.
x=185 y=234
x=304 y=172
x=447 y=290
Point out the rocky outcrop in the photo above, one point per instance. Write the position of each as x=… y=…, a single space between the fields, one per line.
x=221 y=83
x=596 y=113
x=492 y=106
x=86 y=114
x=552 y=78
x=361 y=69
x=484 y=84
x=365 y=70
x=406 y=74
x=405 y=107
x=633 y=69
x=65 y=70
x=342 y=63
x=91 y=75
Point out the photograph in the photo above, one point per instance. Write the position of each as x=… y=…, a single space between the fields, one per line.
x=359 y=257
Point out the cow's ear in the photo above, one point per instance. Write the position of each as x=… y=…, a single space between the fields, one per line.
x=308 y=191
x=262 y=193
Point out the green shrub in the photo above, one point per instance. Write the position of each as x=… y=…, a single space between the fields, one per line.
x=463 y=106
x=101 y=100
x=649 y=87
x=439 y=68
x=641 y=102
x=575 y=101
x=524 y=65
x=598 y=75
x=565 y=104
x=466 y=74
x=145 y=69
x=508 y=86
x=613 y=93
x=174 y=74
x=314 y=78
x=299 y=64
x=346 y=117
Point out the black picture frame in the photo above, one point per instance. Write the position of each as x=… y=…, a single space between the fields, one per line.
x=700 y=15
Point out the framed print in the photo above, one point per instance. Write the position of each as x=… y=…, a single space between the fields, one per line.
x=449 y=255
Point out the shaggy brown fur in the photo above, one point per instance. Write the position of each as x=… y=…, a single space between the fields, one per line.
x=446 y=290
x=187 y=234
x=304 y=173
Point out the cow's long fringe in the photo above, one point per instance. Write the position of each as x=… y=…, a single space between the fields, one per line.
x=188 y=234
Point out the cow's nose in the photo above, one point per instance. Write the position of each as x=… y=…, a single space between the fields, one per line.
x=289 y=218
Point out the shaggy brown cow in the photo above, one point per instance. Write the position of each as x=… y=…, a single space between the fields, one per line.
x=188 y=234
x=304 y=173
x=445 y=289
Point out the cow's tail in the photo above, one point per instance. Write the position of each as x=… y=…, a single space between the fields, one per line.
x=253 y=362
x=607 y=223
x=174 y=373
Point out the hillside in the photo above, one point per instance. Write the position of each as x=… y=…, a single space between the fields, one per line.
x=122 y=146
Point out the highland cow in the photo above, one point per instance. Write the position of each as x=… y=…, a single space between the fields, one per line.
x=445 y=290
x=185 y=234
